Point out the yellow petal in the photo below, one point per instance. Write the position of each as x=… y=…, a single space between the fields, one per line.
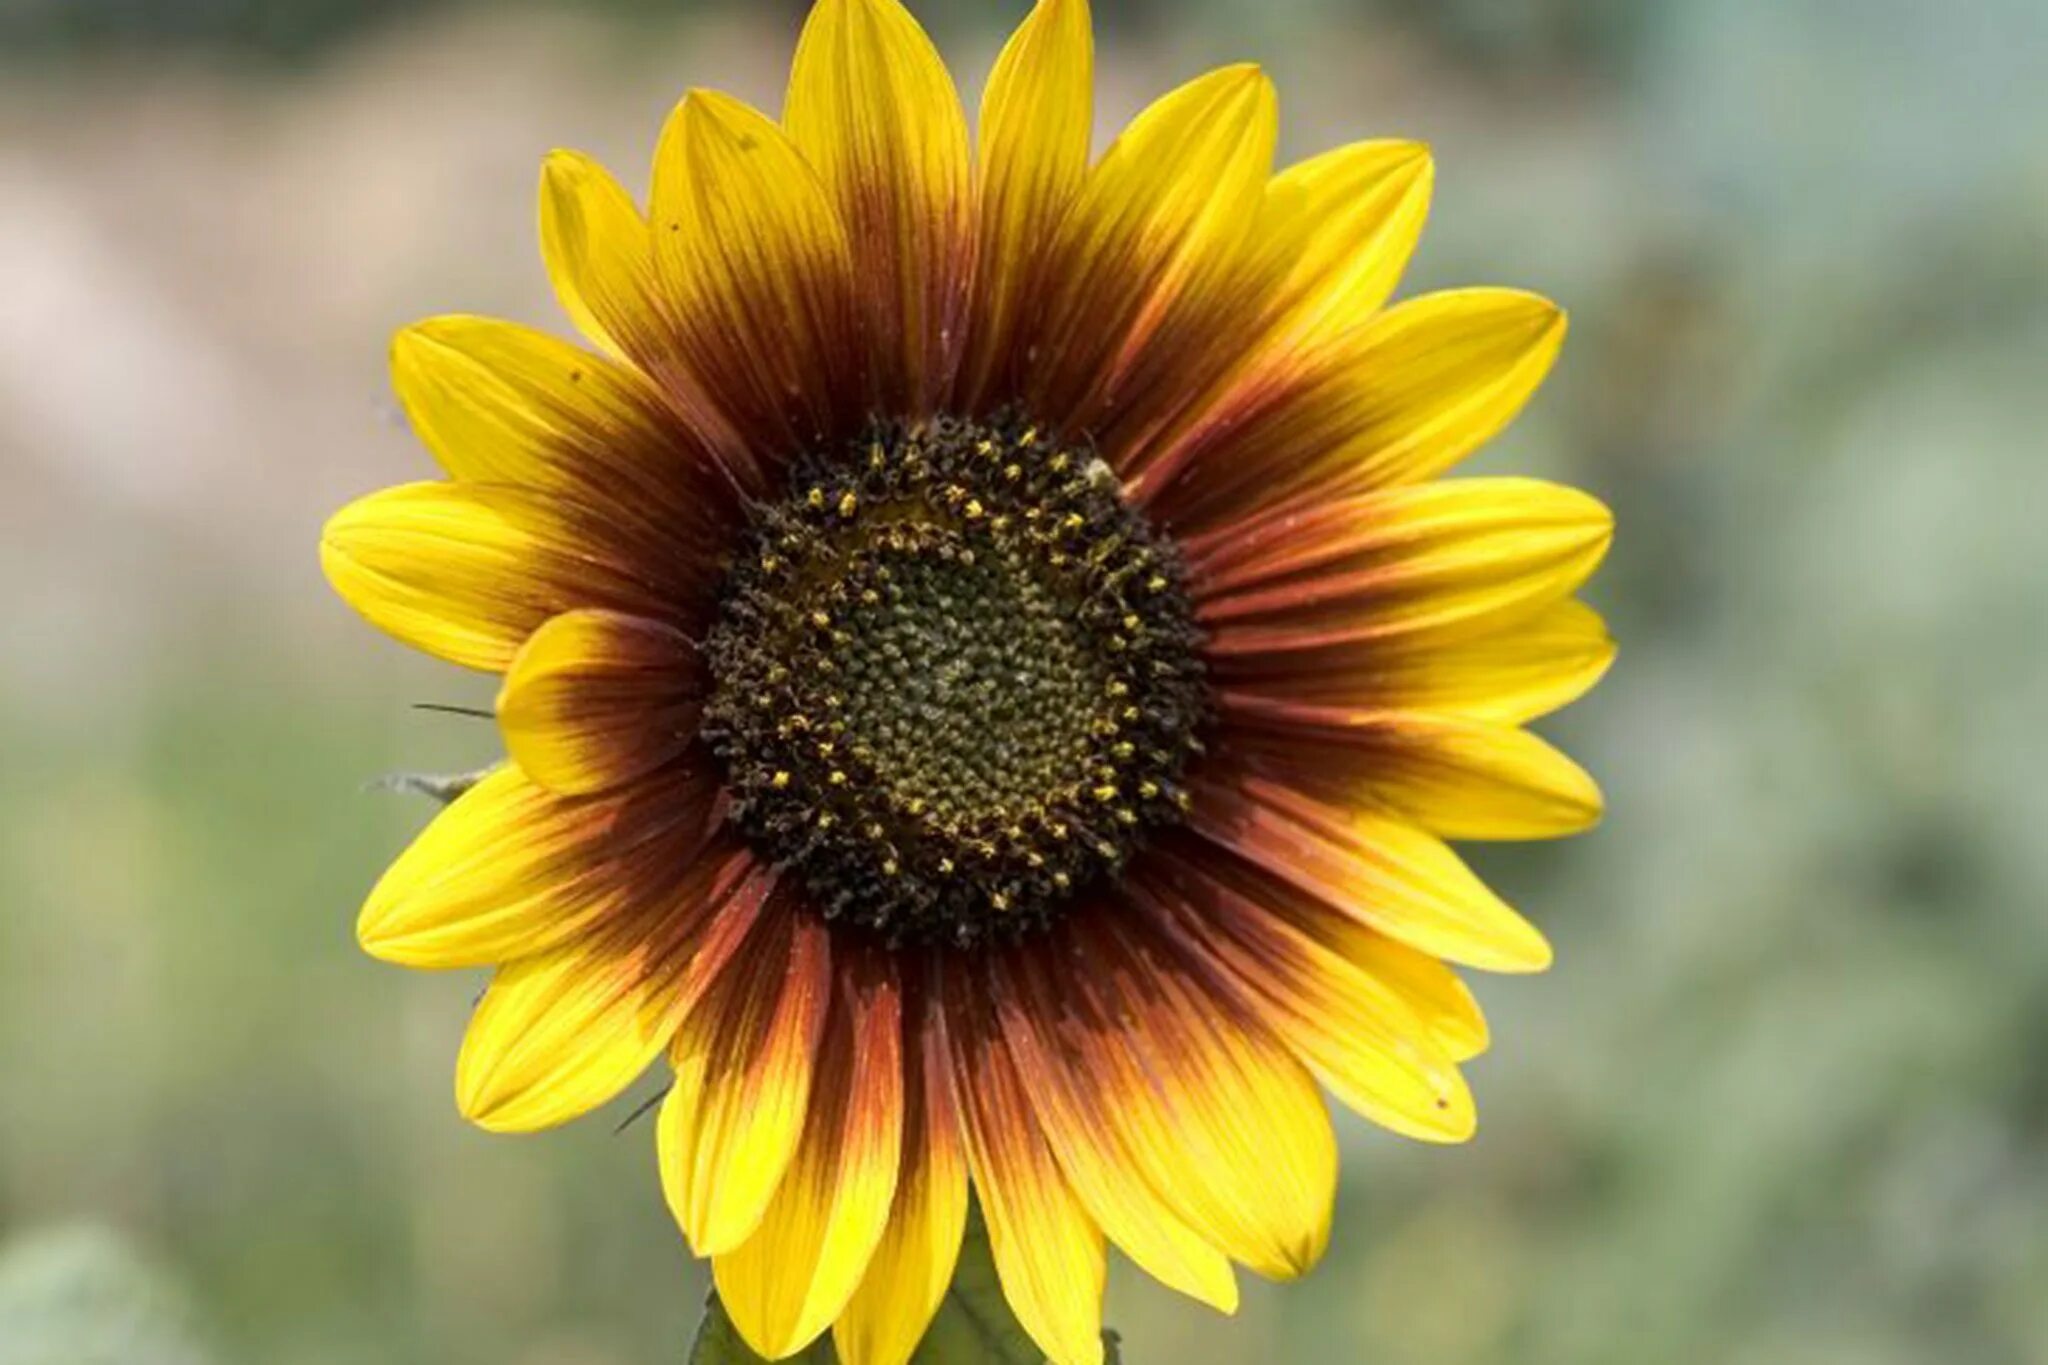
x=1397 y=401
x=1159 y=221
x=1470 y=779
x=1454 y=776
x=566 y=1027
x=1052 y=1062
x=510 y=870
x=599 y=251
x=1354 y=1032
x=742 y=1059
x=599 y=254
x=1382 y=871
x=1448 y=371
x=1242 y=1143
x=482 y=884
x=502 y=404
x=755 y=261
x=467 y=572
x=595 y=699
x=1101 y=1105
x=1440 y=1000
x=499 y=403
x=1512 y=675
x=1334 y=235
x=873 y=110
x=912 y=1267
x=1047 y=1250
x=787 y=1282
x=560 y=1033
x=1517 y=675
x=1332 y=238
x=1037 y=115
x=1441 y=561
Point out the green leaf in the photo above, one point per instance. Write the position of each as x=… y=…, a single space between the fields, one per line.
x=974 y=1325
x=718 y=1342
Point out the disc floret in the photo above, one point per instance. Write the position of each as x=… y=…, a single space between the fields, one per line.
x=957 y=679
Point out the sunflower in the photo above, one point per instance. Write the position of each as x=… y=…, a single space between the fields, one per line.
x=989 y=672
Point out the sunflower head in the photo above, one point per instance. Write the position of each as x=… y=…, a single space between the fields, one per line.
x=990 y=670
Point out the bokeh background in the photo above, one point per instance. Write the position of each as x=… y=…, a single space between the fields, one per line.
x=1784 y=1097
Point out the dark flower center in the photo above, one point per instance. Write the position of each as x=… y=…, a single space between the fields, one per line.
x=956 y=680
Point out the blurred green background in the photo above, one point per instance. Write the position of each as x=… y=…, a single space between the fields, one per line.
x=1783 y=1098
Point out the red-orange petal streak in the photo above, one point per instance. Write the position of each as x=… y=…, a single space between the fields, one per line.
x=1397 y=401
x=1441 y=561
x=1380 y=870
x=1048 y=1252
x=1359 y=1036
x=1458 y=777
x=743 y=1060
x=787 y=1282
x=564 y=1030
x=913 y=1265
x=1124 y=1047
x=1514 y=674
x=1047 y=1036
